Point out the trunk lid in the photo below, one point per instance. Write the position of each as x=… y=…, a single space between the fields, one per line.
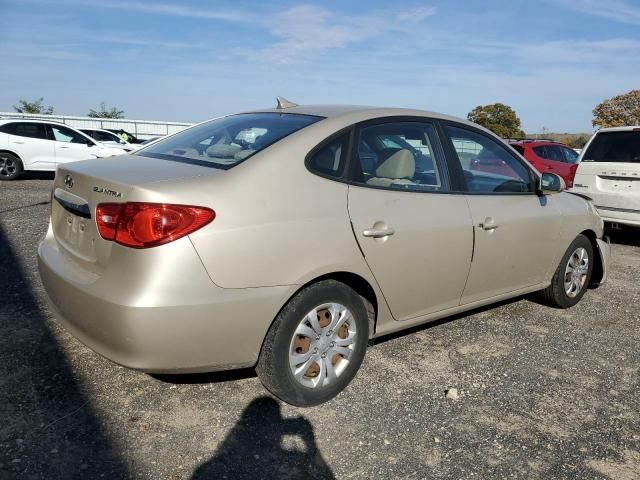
x=80 y=186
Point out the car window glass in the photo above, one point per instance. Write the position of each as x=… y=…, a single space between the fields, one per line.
x=554 y=153
x=399 y=156
x=226 y=141
x=31 y=130
x=614 y=147
x=488 y=167
x=541 y=152
x=570 y=155
x=330 y=159
x=63 y=134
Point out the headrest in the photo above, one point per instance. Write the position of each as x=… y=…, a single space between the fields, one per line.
x=400 y=164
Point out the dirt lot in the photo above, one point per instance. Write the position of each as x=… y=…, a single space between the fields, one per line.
x=544 y=393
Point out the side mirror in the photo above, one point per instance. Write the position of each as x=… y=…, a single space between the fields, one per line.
x=551 y=183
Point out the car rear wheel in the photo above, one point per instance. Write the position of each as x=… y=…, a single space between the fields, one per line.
x=315 y=345
x=571 y=279
x=10 y=166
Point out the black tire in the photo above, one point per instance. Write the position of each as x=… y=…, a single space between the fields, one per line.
x=273 y=366
x=10 y=166
x=555 y=294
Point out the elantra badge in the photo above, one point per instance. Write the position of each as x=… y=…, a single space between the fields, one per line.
x=106 y=191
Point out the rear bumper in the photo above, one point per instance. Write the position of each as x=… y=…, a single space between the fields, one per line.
x=623 y=216
x=181 y=322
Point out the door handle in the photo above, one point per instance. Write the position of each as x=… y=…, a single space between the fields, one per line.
x=18 y=143
x=378 y=232
x=63 y=146
x=488 y=224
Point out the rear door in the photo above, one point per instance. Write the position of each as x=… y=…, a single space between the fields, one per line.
x=30 y=141
x=71 y=146
x=609 y=171
x=513 y=226
x=416 y=235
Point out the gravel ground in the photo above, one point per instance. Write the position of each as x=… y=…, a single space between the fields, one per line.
x=542 y=393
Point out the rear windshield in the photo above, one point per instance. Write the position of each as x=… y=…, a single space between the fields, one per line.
x=614 y=147
x=225 y=142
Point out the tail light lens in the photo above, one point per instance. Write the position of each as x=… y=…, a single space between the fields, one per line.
x=572 y=174
x=144 y=225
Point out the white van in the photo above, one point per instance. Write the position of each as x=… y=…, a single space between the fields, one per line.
x=609 y=173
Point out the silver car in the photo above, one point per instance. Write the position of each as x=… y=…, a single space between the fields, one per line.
x=284 y=239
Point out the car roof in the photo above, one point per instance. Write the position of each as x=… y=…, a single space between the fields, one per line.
x=619 y=129
x=28 y=120
x=360 y=112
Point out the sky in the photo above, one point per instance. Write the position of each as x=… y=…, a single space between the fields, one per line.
x=553 y=61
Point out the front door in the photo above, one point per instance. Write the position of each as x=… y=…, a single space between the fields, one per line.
x=415 y=236
x=513 y=226
x=71 y=146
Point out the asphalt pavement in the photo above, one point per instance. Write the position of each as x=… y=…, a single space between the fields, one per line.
x=541 y=392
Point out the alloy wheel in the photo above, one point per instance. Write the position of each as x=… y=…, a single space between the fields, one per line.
x=575 y=273
x=322 y=345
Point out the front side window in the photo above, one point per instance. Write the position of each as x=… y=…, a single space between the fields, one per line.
x=614 y=147
x=30 y=130
x=488 y=167
x=225 y=142
x=399 y=156
x=63 y=134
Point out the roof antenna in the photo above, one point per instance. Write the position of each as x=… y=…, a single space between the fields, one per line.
x=283 y=103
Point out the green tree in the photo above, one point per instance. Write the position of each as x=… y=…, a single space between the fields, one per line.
x=619 y=111
x=25 y=106
x=105 y=112
x=501 y=119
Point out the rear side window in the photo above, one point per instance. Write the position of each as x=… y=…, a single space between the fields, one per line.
x=25 y=129
x=399 y=156
x=570 y=155
x=614 y=147
x=225 y=142
x=330 y=159
x=550 y=152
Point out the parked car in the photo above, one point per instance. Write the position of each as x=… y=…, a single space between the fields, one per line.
x=265 y=239
x=609 y=173
x=108 y=138
x=33 y=145
x=124 y=135
x=549 y=156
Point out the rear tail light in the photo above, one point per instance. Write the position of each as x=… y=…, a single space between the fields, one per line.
x=572 y=174
x=144 y=225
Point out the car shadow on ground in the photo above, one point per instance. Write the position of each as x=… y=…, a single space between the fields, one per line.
x=264 y=444
x=36 y=176
x=629 y=236
x=49 y=429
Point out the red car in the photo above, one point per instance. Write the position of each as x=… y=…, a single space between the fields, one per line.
x=548 y=156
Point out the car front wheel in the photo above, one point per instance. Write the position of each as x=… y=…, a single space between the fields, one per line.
x=571 y=279
x=315 y=345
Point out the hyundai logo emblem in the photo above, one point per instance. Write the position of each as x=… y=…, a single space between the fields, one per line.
x=68 y=181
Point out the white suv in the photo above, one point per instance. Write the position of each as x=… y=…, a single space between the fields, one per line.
x=33 y=145
x=609 y=173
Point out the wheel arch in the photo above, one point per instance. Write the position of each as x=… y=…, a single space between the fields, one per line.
x=6 y=150
x=598 y=268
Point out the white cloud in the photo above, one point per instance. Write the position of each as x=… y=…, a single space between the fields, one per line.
x=618 y=10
